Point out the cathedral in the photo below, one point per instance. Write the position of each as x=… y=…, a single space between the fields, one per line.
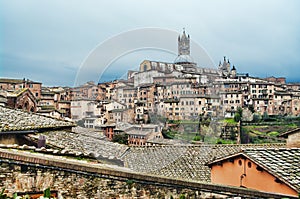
x=182 y=67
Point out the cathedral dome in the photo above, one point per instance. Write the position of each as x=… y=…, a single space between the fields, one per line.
x=181 y=59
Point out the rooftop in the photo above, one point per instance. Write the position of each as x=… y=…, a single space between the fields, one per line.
x=181 y=161
x=16 y=81
x=18 y=120
x=283 y=163
x=285 y=134
x=85 y=141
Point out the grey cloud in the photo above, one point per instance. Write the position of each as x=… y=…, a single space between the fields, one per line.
x=260 y=37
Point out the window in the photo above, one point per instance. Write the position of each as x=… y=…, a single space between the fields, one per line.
x=240 y=162
x=249 y=164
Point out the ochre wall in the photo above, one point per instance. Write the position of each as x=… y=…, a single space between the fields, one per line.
x=229 y=173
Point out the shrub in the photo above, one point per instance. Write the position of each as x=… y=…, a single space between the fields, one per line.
x=197 y=138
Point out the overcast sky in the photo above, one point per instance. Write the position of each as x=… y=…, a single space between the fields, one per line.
x=49 y=41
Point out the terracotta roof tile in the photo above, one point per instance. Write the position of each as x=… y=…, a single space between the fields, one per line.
x=17 y=120
x=283 y=163
x=181 y=161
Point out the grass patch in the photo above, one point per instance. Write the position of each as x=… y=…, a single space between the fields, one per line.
x=230 y=121
x=273 y=133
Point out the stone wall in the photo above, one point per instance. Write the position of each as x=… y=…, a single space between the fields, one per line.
x=10 y=139
x=294 y=140
x=25 y=171
x=21 y=178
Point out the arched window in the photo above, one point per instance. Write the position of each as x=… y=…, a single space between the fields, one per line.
x=32 y=109
x=26 y=106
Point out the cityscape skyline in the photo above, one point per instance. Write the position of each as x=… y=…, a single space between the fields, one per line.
x=48 y=42
x=149 y=99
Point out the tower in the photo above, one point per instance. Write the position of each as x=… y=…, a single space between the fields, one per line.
x=184 y=44
x=225 y=67
x=184 y=57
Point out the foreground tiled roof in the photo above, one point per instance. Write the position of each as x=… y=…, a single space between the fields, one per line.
x=17 y=120
x=85 y=141
x=182 y=161
x=283 y=163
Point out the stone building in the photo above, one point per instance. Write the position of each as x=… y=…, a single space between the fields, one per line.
x=84 y=108
x=16 y=84
x=292 y=138
x=182 y=91
x=46 y=103
x=139 y=135
x=3 y=98
x=87 y=91
x=22 y=99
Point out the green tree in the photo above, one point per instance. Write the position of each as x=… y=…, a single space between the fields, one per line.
x=121 y=138
x=47 y=193
x=2 y=195
x=265 y=116
x=256 y=118
x=251 y=108
x=182 y=196
x=238 y=115
x=80 y=123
